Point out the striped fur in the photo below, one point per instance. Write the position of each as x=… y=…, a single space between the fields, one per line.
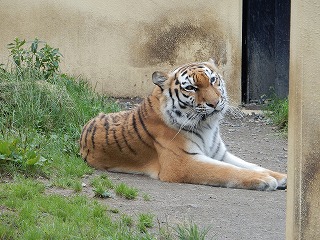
x=174 y=135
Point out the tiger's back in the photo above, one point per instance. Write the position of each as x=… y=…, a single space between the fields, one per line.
x=124 y=141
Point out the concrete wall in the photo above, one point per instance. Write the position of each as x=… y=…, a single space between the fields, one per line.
x=118 y=44
x=303 y=198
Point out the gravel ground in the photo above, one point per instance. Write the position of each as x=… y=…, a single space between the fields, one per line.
x=228 y=213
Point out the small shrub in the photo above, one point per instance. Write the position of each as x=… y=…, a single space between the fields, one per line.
x=43 y=60
x=21 y=156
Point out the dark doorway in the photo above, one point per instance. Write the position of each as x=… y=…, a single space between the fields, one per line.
x=265 y=52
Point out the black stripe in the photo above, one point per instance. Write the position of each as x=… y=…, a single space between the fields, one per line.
x=223 y=155
x=217 y=150
x=170 y=94
x=93 y=136
x=83 y=130
x=106 y=126
x=149 y=101
x=145 y=128
x=85 y=157
x=116 y=139
x=126 y=141
x=144 y=109
x=134 y=124
x=88 y=130
x=183 y=106
x=214 y=139
x=195 y=133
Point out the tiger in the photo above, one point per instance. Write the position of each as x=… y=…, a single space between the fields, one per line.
x=173 y=135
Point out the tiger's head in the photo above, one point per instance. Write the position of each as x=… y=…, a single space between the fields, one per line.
x=191 y=94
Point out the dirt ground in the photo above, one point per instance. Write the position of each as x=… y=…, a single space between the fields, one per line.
x=228 y=213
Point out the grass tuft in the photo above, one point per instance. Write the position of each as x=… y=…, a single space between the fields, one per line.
x=190 y=232
x=277 y=110
x=145 y=220
x=125 y=191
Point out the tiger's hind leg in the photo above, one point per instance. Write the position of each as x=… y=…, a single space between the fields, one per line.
x=280 y=177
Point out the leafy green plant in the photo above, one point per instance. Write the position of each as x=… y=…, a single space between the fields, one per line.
x=125 y=191
x=13 y=154
x=45 y=59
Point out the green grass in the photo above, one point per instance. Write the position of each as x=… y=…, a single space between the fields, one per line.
x=190 y=231
x=41 y=117
x=145 y=221
x=277 y=110
x=28 y=213
x=101 y=186
x=40 y=126
x=125 y=191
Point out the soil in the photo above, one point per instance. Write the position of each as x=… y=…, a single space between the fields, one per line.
x=227 y=213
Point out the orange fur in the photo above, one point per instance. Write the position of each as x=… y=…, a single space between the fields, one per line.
x=151 y=140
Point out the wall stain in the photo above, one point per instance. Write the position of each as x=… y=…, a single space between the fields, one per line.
x=310 y=189
x=173 y=42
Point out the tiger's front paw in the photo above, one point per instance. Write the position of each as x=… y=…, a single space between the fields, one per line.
x=281 y=179
x=261 y=182
x=267 y=183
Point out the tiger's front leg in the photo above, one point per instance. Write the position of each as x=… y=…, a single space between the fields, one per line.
x=200 y=169
x=232 y=159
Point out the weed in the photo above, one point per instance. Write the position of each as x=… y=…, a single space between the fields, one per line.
x=145 y=220
x=20 y=155
x=146 y=197
x=44 y=60
x=190 y=232
x=114 y=210
x=77 y=187
x=101 y=192
x=127 y=220
x=125 y=191
x=277 y=110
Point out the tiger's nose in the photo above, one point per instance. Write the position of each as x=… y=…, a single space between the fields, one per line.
x=213 y=104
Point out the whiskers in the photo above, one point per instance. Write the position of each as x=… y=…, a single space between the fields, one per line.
x=191 y=121
x=235 y=112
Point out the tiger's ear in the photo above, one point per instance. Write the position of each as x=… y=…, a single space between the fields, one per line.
x=158 y=78
x=211 y=60
x=213 y=63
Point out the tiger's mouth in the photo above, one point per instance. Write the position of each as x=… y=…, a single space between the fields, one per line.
x=204 y=113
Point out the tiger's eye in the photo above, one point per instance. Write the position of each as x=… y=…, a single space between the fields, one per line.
x=191 y=88
x=213 y=79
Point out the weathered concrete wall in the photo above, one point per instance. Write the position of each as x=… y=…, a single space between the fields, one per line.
x=118 y=44
x=303 y=199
